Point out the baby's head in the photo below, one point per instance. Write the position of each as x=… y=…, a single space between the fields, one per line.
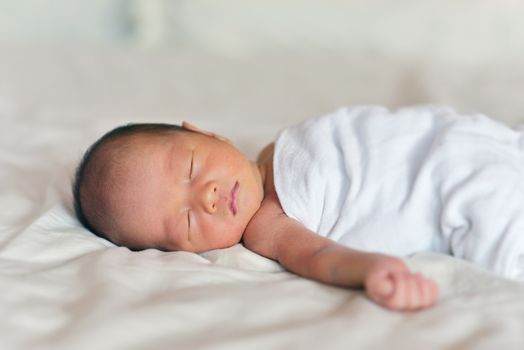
x=168 y=187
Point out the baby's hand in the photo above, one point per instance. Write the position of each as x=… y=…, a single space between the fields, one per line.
x=391 y=284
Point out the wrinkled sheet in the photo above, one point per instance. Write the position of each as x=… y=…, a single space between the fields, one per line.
x=63 y=288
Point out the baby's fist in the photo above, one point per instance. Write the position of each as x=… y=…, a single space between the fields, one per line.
x=391 y=284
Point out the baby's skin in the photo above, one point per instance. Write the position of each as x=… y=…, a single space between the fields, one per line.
x=194 y=191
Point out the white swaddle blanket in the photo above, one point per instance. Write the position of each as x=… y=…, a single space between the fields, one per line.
x=417 y=179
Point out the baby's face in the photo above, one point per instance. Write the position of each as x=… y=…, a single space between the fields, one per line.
x=185 y=191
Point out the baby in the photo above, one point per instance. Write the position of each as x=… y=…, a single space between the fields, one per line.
x=334 y=199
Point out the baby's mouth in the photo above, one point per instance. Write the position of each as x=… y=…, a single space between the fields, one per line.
x=233 y=204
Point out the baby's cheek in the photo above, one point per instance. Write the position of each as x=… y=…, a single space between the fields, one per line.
x=228 y=234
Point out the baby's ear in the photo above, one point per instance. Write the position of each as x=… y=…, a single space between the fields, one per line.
x=191 y=127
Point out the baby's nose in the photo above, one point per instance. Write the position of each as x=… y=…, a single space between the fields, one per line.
x=210 y=197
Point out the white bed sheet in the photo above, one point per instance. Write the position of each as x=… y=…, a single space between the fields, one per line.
x=63 y=288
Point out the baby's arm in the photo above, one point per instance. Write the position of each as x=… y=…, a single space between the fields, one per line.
x=386 y=279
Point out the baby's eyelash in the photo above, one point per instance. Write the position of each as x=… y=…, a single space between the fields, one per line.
x=191 y=166
x=188 y=222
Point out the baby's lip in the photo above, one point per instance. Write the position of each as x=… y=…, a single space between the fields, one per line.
x=233 y=204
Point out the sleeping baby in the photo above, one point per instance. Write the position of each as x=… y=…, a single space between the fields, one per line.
x=338 y=199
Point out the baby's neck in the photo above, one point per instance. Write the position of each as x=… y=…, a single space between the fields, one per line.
x=264 y=164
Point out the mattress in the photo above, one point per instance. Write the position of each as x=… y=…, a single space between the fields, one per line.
x=64 y=288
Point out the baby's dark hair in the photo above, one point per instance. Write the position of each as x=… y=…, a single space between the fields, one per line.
x=93 y=219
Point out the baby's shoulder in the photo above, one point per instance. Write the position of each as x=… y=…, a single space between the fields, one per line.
x=259 y=235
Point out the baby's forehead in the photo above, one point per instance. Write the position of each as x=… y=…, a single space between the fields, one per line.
x=149 y=145
x=139 y=142
x=147 y=148
x=121 y=154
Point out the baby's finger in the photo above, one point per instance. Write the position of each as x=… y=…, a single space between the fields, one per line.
x=411 y=292
x=434 y=291
x=384 y=288
x=423 y=291
x=414 y=294
x=428 y=292
x=398 y=299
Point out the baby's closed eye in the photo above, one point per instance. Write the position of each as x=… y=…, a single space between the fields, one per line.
x=191 y=165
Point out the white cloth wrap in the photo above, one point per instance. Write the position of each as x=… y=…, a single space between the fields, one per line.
x=418 y=179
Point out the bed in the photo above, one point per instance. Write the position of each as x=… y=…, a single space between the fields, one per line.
x=64 y=288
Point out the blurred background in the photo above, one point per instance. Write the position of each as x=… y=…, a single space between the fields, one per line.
x=459 y=30
x=254 y=66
